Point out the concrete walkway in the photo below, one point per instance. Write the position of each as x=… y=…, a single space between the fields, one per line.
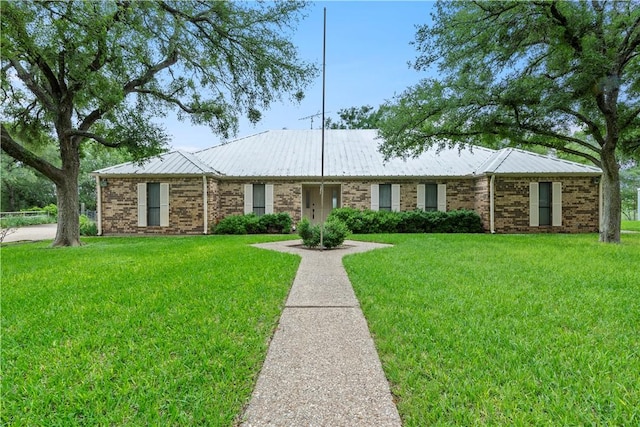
x=31 y=233
x=322 y=368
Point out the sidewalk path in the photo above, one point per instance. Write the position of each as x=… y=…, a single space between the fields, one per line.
x=322 y=368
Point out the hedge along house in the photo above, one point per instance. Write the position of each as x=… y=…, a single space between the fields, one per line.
x=513 y=191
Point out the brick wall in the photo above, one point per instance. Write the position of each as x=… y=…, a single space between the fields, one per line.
x=287 y=197
x=120 y=206
x=579 y=205
x=481 y=200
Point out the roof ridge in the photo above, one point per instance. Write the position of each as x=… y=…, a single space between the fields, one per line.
x=197 y=162
x=494 y=162
x=221 y=144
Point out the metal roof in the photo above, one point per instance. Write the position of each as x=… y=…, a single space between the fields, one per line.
x=173 y=163
x=514 y=161
x=348 y=153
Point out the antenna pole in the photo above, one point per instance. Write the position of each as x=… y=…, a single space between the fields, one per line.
x=324 y=67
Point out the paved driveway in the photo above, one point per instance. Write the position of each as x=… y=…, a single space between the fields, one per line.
x=32 y=233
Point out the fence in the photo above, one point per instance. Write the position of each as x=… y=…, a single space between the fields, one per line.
x=24 y=214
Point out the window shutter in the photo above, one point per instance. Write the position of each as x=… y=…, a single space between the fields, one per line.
x=164 y=204
x=268 y=198
x=142 y=204
x=375 y=197
x=421 y=196
x=248 y=198
x=395 y=197
x=442 y=197
x=556 y=204
x=534 y=213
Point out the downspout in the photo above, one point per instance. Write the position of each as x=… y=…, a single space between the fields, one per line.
x=600 y=203
x=492 y=207
x=205 y=196
x=99 y=205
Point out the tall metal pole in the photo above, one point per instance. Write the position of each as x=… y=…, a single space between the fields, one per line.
x=324 y=67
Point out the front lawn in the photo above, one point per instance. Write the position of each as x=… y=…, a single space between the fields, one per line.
x=631 y=225
x=506 y=330
x=137 y=331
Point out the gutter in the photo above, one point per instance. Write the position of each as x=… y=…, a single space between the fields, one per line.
x=205 y=197
x=492 y=207
x=99 y=205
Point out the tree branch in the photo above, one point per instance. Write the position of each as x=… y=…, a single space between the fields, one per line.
x=595 y=131
x=26 y=77
x=167 y=98
x=18 y=152
x=130 y=87
x=95 y=137
x=569 y=35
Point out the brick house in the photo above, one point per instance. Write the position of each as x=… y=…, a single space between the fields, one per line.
x=514 y=191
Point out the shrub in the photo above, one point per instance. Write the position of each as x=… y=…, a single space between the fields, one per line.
x=51 y=210
x=254 y=224
x=232 y=224
x=305 y=231
x=279 y=223
x=333 y=235
x=418 y=221
x=87 y=227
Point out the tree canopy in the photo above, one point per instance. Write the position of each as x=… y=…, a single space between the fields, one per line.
x=364 y=117
x=561 y=75
x=102 y=71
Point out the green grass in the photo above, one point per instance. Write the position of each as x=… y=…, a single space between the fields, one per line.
x=631 y=225
x=137 y=331
x=506 y=330
x=23 y=221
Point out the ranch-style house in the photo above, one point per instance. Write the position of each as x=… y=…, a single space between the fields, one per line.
x=513 y=191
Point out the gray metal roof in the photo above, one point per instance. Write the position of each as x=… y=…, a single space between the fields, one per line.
x=348 y=153
x=173 y=163
x=514 y=161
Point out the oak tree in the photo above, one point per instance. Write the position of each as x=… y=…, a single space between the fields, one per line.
x=102 y=71
x=555 y=74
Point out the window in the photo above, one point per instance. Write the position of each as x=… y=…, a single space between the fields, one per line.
x=259 y=199
x=431 y=197
x=544 y=203
x=384 y=197
x=153 y=203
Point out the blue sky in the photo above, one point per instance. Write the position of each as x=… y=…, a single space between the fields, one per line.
x=368 y=50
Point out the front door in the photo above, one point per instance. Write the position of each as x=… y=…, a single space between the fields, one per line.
x=312 y=206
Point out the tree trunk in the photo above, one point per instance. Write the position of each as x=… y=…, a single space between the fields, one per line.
x=68 y=233
x=611 y=198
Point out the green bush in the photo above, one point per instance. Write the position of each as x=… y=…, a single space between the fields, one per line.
x=279 y=223
x=87 y=227
x=334 y=233
x=51 y=210
x=253 y=224
x=418 y=221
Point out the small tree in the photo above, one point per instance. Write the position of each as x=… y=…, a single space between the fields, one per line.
x=79 y=71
